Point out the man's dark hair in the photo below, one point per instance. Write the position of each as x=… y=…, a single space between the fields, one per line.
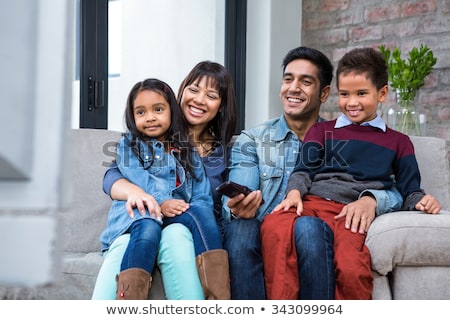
x=317 y=58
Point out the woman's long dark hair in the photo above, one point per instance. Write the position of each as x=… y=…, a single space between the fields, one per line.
x=223 y=125
x=177 y=134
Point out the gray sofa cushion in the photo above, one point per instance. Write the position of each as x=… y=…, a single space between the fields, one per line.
x=85 y=219
x=432 y=156
x=419 y=283
x=409 y=238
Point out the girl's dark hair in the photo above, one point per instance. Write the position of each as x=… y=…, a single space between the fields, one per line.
x=223 y=125
x=317 y=58
x=177 y=134
x=364 y=60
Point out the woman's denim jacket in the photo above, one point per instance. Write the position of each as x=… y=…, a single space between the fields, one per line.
x=155 y=172
x=262 y=158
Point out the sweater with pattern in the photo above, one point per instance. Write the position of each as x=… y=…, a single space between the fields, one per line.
x=339 y=163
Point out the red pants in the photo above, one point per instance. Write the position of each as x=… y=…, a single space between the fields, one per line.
x=280 y=261
x=354 y=278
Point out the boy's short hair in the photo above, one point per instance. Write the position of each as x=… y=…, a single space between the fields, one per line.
x=364 y=60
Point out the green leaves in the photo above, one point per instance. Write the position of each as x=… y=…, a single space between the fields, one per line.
x=407 y=76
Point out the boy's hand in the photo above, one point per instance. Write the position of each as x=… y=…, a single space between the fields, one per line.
x=359 y=214
x=173 y=207
x=428 y=204
x=293 y=199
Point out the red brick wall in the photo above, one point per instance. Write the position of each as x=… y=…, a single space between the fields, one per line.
x=336 y=26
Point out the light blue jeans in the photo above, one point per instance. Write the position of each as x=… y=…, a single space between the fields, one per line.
x=176 y=260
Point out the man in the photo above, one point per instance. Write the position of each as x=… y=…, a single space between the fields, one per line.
x=262 y=158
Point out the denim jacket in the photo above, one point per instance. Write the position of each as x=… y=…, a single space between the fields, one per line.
x=262 y=158
x=156 y=173
x=215 y=168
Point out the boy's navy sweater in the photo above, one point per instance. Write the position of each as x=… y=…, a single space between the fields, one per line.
x=340 y=163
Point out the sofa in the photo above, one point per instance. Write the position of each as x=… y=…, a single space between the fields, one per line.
x=410 y=250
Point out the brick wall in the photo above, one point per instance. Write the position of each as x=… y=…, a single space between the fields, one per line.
x=336 y=26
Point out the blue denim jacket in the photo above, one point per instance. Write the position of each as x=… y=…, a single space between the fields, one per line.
x=262 y=158
x=215 y=168
x=157 y=175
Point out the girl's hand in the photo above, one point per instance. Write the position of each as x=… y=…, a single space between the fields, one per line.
x=173 y=207
x=428 y=204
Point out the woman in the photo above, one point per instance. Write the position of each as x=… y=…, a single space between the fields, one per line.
x=207 y=100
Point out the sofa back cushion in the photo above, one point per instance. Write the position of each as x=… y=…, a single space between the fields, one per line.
x=432 y=157
x=84 y=220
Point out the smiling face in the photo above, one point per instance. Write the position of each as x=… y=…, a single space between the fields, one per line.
x=358 y=97
x=300 y=90
x=200 y=102
x=152 y=114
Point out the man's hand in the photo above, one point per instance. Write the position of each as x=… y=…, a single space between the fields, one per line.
x=245 y=207
x=359 y=214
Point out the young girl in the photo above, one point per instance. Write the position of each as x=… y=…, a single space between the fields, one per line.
x=156 y=155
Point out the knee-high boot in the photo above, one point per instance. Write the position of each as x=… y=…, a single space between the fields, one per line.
x=214 y=274
x=133 y=284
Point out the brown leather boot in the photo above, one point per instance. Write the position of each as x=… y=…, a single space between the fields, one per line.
x=214 y=275
x=133 y=284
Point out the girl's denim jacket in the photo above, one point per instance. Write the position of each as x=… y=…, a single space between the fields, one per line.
x=162 y=169
x=262 y=158
x=155 y=172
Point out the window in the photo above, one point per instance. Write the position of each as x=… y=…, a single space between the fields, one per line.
x=124 y=41
x=94 y=64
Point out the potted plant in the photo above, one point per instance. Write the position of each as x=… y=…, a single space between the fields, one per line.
x=406 y=77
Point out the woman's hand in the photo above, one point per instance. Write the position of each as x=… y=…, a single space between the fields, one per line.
x=135 y=197
x=143 y=202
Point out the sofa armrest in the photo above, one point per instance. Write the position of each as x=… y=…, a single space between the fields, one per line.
x=409 y=238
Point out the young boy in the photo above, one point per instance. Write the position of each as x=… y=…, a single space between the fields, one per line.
x=339 y=160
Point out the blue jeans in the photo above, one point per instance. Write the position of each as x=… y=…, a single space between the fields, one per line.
x=203 y=226
x=243 y=242
x=314 y=243
x=315 y=254
x=145 y=235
